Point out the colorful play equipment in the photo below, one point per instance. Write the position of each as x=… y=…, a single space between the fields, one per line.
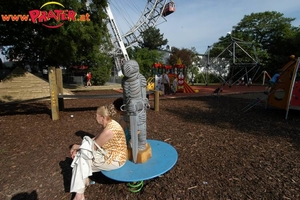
x=146 y=158
x=164 y=157
x=285 y=94
x=174 y=72
x=265 y=75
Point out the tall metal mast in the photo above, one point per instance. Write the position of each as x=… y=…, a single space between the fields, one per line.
x=117 y=41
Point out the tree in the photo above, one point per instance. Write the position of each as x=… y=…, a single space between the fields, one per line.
x=74 y=43
x=145 y=58
x=272 y=34
x=152 y=39
x=187 y=56
x=149 y=50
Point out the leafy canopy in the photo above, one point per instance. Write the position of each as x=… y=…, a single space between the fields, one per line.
x=152 y=39
x=271 y=33
x=148 y=52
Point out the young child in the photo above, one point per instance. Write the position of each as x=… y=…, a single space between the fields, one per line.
x=88 y=78
x=275 y=79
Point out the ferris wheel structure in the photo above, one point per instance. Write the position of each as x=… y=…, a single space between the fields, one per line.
x=153 y=14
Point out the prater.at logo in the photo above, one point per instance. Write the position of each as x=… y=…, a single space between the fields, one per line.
x=50 y=18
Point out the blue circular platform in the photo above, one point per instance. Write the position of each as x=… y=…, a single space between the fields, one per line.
x=164 y=157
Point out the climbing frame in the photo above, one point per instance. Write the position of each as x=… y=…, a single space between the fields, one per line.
x=286 y=94
x=280 y=93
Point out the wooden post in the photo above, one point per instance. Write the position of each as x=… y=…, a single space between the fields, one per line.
x=156 y=100
x=60 y=89
x=53 y=93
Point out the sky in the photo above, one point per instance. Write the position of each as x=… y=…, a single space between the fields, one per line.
x=200 y=23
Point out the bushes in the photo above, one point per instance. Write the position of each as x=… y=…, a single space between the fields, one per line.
x=100 y=75
x=100 y=67
x=211 y=78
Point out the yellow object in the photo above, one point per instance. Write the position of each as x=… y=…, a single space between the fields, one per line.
x=279 y=96
x=150 y=86
x=150 y=83
x=292 y=57
x=143 y=156
x=179 y=62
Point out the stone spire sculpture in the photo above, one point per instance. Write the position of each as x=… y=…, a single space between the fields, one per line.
x=135 y=105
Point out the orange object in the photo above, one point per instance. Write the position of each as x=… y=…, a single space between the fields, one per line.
x=157 y=65
x=280 y=93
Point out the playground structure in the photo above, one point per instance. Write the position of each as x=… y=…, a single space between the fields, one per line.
x=146 y=158
x=153 y=14
x=265 y=75
x=174 y=72
x=236 y=63
x=164 y=157
x=285 y=94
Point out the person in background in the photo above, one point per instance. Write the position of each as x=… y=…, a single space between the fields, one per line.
x=166 y=82
x=174 y=85
x=45 y=72
x=250 y=81
x=106 y=151
x=243 y=81
x=88 y=79
x=28 y=68
x=275 y=79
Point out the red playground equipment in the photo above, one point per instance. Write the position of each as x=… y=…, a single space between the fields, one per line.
x=286 y=94
x=174 y=72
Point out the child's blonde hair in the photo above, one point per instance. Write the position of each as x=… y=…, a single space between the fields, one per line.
x=107 y=111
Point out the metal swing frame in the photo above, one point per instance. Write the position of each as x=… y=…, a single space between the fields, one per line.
x=217 y=65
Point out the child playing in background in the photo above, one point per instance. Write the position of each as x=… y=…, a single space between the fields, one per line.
x=88 y=78
x=174 y=85
x=275 y=79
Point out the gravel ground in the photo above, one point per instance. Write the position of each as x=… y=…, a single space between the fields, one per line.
x=223 y=153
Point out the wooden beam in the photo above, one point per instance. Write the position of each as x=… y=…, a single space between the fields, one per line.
x=53 y=93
